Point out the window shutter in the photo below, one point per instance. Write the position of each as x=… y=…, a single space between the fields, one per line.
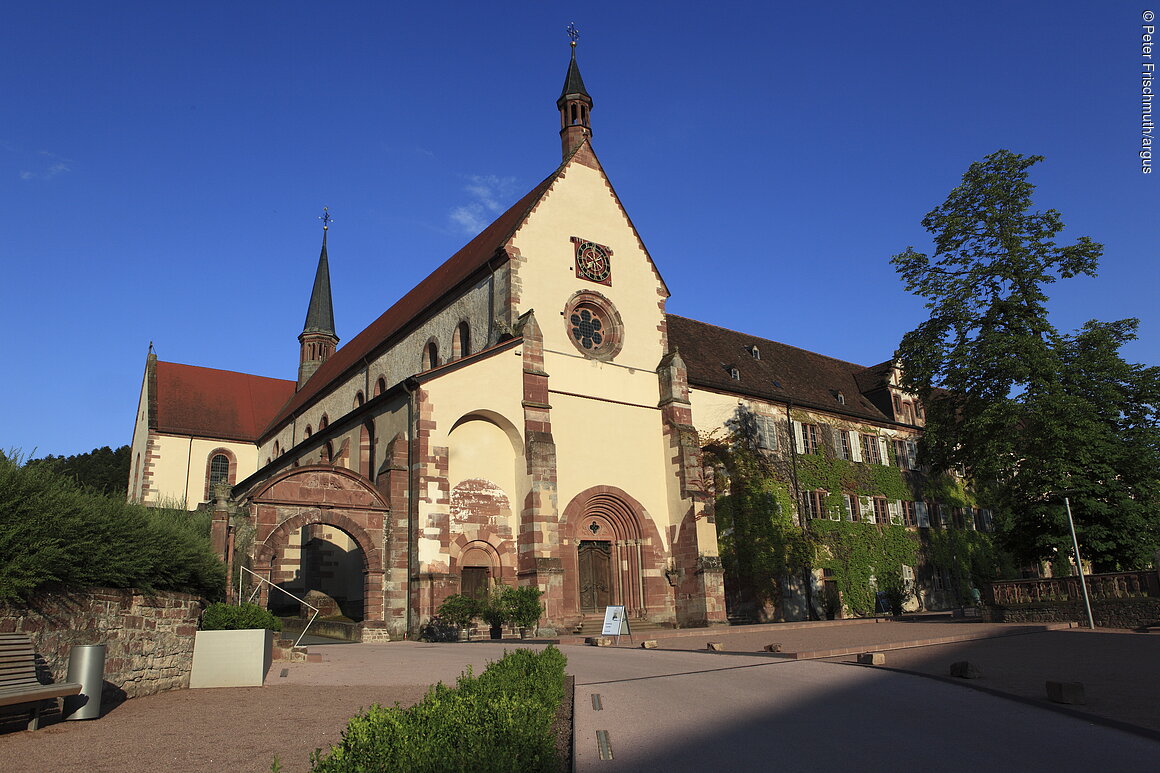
x=797 y=437
x=846 y=507
x=867 y=509
x=883 y=452
x=768 y=429
x=923 y=517
x=912 y=454
x=838 y=452
x=895 y=507
x=855 y=447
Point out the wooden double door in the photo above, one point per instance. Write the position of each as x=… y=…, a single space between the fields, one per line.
x=596 y=585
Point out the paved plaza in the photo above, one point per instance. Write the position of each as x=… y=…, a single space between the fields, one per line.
x=679 y=709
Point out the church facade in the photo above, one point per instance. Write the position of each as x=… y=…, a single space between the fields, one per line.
x=527 y=414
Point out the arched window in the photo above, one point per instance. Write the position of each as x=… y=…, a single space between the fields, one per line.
x=221 y=467
x=430 y=355
x=359 y=399
x=366 y=450
x=219 y=470
x=380 y=386
x=309 y=431
x=461 y=341
x=323 y=423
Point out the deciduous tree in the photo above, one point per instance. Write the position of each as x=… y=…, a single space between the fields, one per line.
x=1029 y=413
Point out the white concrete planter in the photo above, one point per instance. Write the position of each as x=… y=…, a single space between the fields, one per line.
x=231 y=658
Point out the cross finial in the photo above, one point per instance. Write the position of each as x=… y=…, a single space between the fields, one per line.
x=326 y=219
x=573 y=33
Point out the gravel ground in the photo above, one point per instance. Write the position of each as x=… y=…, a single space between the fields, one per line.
x=226 y=729
x=242 y=729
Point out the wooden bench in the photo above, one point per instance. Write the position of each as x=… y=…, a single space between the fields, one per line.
x=18 y=680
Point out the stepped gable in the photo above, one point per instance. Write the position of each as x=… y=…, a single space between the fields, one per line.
x=441 y=282
x=782 y=373
x=206 y=402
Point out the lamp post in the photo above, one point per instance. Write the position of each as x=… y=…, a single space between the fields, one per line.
x=1079 y=565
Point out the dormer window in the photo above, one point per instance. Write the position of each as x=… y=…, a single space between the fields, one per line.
x=735 y=374
x=753 y=350
x=841 y=398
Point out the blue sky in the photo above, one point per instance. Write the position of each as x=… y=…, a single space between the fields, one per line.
x=162 y=166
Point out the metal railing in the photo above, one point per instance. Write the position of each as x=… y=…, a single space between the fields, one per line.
x=1111 y=585
x=258 y=589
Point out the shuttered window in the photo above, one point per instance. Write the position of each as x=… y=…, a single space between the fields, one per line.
x=767 y=433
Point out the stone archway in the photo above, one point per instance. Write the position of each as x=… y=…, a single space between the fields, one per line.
x=615 y=544
x=320 y=494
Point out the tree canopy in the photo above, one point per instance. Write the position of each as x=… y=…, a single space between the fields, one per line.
x=1028 y=413
x=102 y=469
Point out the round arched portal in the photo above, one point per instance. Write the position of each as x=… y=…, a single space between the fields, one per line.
x=615 y=555
x=326 y=552
x=480 y=568
x=319 y=528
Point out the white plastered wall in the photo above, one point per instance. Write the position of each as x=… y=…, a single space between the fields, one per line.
x=605 y=421
x=179 y=472
x=491 y=388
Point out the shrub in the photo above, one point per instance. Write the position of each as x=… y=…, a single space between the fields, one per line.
x=58 y=535
x=458 y=610
x=239 y=617
x=438 y=629
x=522 y=605
x=498 y=722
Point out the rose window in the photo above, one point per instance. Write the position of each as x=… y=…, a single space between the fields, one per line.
x=593 y=325
x=586 y=329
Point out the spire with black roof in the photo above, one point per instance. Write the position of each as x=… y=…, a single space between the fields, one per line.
x=574 y=104
x=318 y=338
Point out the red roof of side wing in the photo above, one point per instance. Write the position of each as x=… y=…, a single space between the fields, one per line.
x=216 y=403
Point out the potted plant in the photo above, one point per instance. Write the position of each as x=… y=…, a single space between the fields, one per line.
x=232 y=648
x=523 y=607
x=494 y=611
x=459 y=610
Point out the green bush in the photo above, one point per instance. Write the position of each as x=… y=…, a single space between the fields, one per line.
x=239 y=617
x=57 y=535
x=458 y=610
x=522 y=605
x=498 y=722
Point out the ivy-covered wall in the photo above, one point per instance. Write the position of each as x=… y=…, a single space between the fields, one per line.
x=859 y=555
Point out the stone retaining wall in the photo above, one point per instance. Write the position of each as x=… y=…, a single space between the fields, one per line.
x=1107 y=613
x=148 y=638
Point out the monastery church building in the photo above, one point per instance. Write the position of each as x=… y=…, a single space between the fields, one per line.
x=528 y=414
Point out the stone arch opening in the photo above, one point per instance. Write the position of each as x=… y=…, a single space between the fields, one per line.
x=320 y=528
x=614 y=555
x=480 y=568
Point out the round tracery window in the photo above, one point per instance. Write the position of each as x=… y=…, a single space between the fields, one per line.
x=593 y=325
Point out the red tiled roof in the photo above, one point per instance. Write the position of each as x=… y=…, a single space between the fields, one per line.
x=782 y=373
x=458 y=268
x=216 y=403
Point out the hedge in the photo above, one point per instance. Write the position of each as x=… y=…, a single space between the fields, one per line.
x=58 y=535
x=238 y=617
x=498 y=722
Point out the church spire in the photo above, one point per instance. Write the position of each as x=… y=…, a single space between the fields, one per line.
x=318 y=338
x=574 y=104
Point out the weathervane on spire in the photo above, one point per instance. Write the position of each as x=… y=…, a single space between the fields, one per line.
x=573 y=32
x=326 y=219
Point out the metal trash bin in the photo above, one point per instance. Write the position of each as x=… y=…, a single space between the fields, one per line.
x=86 y=665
